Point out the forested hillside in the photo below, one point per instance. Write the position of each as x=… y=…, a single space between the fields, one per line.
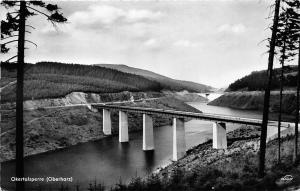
x=165 y=82
x=255 y=80
x=53 y=80
x=50 y=80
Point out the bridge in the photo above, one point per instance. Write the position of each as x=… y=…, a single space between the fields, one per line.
x=179 y=117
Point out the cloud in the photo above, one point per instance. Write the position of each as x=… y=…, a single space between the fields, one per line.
x=159 y=44
x=151 y=42
x=185 y=43
x=235 y=28
x=142 y=15
x=154 y=44
x=104 y=15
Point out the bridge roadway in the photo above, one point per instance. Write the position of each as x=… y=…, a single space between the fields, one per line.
x=190 y=115
x=219 y=138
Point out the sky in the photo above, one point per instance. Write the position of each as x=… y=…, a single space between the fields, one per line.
x=213 y=42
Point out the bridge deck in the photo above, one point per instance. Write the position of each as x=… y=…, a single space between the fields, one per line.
x=184 y=114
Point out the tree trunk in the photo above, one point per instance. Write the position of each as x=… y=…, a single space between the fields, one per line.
x=19 y=101
x=280 y=110
x=297 y=109
x=280 y=97
x=264 y=126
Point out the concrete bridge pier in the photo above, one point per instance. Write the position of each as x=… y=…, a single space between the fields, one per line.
x=178 y=139
x=148 y=142
x=123 y=127
x=106 y=122
x=219 y=136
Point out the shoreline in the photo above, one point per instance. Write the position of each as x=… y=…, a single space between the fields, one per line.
x=253 y=101
x=53 y=129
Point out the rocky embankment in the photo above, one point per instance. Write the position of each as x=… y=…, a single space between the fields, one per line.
x=186 y=96
x=253 y=100
x=243 y=139
x=84 y=98
x=49 y=128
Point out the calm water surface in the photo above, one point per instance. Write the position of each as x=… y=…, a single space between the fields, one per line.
x=109 y=161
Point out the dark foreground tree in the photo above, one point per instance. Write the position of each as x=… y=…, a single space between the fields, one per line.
x=264 y=126
x=294 y=19
x=13 y=30
x=297 y=108
x=286 y=45
x=282 y=49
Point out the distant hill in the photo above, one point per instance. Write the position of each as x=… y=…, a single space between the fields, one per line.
x=165 y=82
x=54 y=80
x=256 y=80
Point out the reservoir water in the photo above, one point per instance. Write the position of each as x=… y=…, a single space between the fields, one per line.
x=107 y=161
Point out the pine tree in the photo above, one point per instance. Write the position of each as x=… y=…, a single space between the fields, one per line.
x=264 y=126
x=13 y=30
x=295 y=21
x=286 y=50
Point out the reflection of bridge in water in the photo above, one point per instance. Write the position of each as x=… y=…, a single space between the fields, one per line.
x=219 y=125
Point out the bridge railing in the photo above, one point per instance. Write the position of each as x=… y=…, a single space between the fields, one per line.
x=183 y=114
